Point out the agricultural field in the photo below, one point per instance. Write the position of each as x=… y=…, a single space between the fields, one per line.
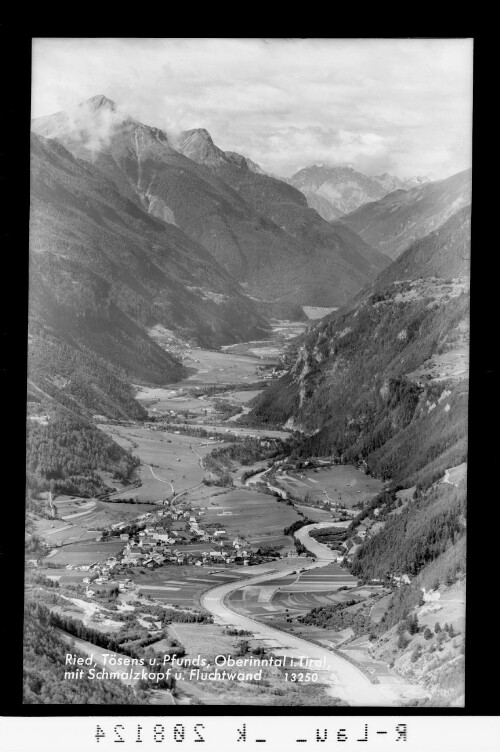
x=84 y=553
x=207 y=640
x=96 y=514
x=316 y=515
x=341 y=484
x=179 y=401
x=379 y=610
x=240 y=398
x=231 y=428
x=214 y=367
x=171 y=461
x=282 y=331
x=296 y=593
x=59 y=532
x=326 y=578
x=248 y=513
x=83 y=519
x=180 y=585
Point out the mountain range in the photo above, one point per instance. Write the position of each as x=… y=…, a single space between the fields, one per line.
x=335 y=191
x=131 y=227
x=395 y=221
x=257 y=228
x=412 y=316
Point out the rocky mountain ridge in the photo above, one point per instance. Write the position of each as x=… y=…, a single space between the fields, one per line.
x=259 y=229
x=344 y=189
x=394 y=222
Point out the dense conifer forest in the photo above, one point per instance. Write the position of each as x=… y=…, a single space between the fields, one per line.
x=66 y=454
x=44 y=667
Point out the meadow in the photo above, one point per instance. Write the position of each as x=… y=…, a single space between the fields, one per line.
x=207 y=640
x=248 y=513
x=342 y=484
x=84 y=553
x=59 y=532
x=171 y=462
x=96 y=514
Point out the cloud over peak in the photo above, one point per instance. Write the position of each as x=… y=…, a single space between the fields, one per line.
x=389 y=105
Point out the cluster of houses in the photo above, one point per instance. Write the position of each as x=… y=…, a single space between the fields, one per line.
x=165 y=539
x=367 y=529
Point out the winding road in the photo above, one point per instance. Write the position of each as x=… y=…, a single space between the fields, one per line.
x=161 y=479
x=345 y=680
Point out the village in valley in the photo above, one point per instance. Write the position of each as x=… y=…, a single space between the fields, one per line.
x=247 y=392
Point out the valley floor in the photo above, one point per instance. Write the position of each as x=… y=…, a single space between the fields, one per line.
x=210 y=563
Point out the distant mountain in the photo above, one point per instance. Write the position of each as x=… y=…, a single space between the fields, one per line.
x=397 y=220
x=343 y=187
x=256 y=227
x=392 y=183
x=197 y=144
x=334 y=191
x=323 y=206
x=310 y=260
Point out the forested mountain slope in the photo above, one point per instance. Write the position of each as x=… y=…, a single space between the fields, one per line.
x=335 y=261
x=259 y=229
x=107 y=257
x=338 y=190
x=383 y=383
x=394 y=222
x=44 y=665
x=102 y=271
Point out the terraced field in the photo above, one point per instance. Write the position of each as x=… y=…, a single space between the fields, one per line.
x=296 y=593
x=179 y=586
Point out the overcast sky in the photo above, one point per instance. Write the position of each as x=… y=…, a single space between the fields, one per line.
x=398 y=106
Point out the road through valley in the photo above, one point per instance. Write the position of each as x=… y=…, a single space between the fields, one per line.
x=345 y=680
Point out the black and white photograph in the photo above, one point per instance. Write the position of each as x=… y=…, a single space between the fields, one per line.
x=248 y=369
